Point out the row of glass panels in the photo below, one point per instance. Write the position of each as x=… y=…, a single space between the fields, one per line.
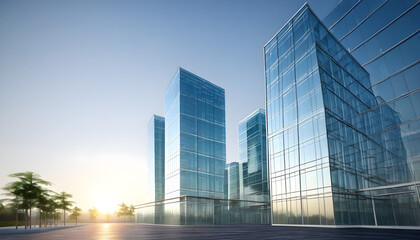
x=189 y=210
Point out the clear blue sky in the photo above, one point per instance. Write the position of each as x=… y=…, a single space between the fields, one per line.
x=79 y=81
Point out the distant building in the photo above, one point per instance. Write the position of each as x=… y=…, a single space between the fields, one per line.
x=232 y=181
x=156 y=158
x=195 y=155
x=253 y=169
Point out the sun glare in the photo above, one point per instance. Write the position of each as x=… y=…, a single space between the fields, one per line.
x=106 y=204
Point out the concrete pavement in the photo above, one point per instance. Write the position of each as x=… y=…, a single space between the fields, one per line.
x=259 y=232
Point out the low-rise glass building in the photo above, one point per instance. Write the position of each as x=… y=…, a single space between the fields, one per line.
x=156 y=164
x=253 y=176
x=156 y=158
x=232 y=189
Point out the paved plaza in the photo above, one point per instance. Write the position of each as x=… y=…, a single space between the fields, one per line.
x=139 y=231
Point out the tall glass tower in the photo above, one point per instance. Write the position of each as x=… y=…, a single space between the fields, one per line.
x=156 y=158
x=253 y=157
x=195 y=155
x=332 y=160
x=384 y=37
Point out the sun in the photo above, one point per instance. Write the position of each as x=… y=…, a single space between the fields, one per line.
x=106 y=203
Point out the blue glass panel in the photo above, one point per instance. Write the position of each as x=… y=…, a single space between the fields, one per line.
x=290 y=115
x=379 y=19
x=288 y=78
x=357 y=15
x=387 y=38
x=188 y=179
x=188 y=160
x=396 y=59
x=285 y=61
x=271 y=56
x=284 y=43
x=342 y=8
x=289 y=97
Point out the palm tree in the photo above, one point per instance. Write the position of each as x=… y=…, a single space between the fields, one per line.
x=76 y=213
x=41 y=205
x=123 y=210
x=93 y=212
x=15 y=204
x=56 y=216
x=15 y=189
x=131 y=211
x=27 y=189
x=42 y=202
x=51 y=208
x=64 y=203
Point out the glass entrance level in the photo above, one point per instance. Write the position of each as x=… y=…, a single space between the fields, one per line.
x=192 y=210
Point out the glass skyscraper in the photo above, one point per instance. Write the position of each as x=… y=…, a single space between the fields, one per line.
x=337 y=153
x=195 y=155
x=253 y=176
x=156 y=158
x=232 y=181
x=384 y=37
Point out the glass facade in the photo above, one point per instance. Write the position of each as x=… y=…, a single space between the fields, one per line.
x=253 y=176
x=384 y=38
x=232 y=181
x=337 y=153
x=156 y=158
x=195 y=155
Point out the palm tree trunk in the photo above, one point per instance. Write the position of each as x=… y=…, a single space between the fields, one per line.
x=30 y=218
x=64 y=217
x=40 y=219
x=26 y=218
x=76 y=221
x=17 y=218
